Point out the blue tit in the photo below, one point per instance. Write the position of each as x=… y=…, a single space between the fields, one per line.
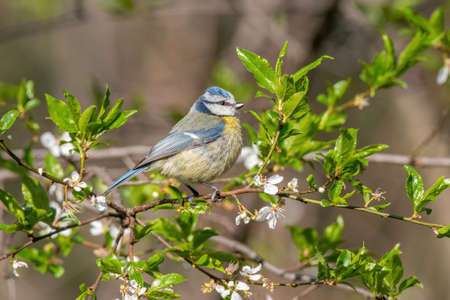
x=200 y=147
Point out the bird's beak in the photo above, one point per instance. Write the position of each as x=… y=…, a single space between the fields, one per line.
x=238 y=105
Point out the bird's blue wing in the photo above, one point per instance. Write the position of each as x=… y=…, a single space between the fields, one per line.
x=181 y=140
x=172 y=144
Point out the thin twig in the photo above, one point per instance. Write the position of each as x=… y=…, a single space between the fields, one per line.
x=22 y=163
x=168 y=245
x=34 y=239
x=95 y=285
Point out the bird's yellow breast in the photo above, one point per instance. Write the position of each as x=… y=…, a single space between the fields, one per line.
x=231 y=124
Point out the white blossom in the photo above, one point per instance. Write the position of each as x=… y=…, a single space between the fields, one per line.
x=232 y=289
x=114 y=231
x=321 y=189
x=252 y=273
x=40 y=171
x=270 y=214
x=293 y=184
x=49 y=141
x=74 y=182
x=242 y=217
x=18 y=264
x=99 y=202
x=96 y=228
x=443 y=73
x=134 y=291
x=58 y=191
x=250 y=157
x=269 y=183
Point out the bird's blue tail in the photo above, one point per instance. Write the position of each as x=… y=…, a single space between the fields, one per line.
x=123 y=178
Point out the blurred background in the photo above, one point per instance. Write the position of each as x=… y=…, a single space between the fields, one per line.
x=160 y=56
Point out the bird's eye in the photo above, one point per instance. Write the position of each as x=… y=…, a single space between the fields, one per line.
x=222 y=102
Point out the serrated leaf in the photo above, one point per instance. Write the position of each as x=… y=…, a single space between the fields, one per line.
x=166 y=281
x=74 y=106
x=303 y=71
x=61 y=114
x=86 y=117
x=259 y=67
x=33 y=193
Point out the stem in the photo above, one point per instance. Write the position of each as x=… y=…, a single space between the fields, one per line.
x=24 y=164
x=269 y=155
x=35 y=239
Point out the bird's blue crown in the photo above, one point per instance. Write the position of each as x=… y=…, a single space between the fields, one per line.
x=217 y=91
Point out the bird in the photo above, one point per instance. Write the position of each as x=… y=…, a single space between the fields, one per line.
x=200 y=147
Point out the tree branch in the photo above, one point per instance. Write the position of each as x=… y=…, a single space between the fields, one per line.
x=252 y=255
x=35 y=239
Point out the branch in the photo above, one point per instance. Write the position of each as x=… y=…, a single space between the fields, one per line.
x=251 y=254
x=35 y=239
x=22 y=163
x=290 y=195
x=94 y=286
x=194 y=266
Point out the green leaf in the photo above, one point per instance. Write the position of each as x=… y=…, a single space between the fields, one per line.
x=12 y=205
x=8 y=120
x=369 y=150
x=414 y=187
x=11 y=228
x=296 y=105
x=409 y=282
x=74 y=106
x=201 y=236
x=438 y=187
x=52 y=166
x=167 y=229
x=444 y=232
x=121 y=119
x=389 y=51
x=86 y=117
x=166 y=281
x=279 y=63
x=409 y=56
x=34 y=193
x=303 y=71
x=335 y=191
x=110 y=265
x=61 y=114
x=345 y=145
x=259 y=67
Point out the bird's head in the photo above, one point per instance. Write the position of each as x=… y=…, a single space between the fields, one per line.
x=217 y=101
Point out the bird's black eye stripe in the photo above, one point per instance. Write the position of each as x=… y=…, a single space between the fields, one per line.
x=220 y=103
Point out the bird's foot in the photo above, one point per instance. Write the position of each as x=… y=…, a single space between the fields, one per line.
x=215 y=197
x=195 y=194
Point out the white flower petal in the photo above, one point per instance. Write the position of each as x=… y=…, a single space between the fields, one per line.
x=275 y=179
x=236 y=296
x=256 y=269
x=48 y=140
x=96 y=228
x=255 y=277
x=270 y=189
x=263 y=213
x=292 y=185
x=442 y=76
x=242 y=286
x=258 y=180
x=75 y=176
x=272 y=222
